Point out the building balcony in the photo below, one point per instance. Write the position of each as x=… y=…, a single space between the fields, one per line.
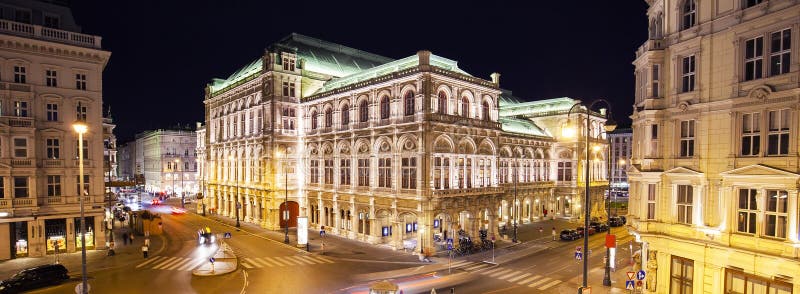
x=460 y=120
x=22 y=162
x=361 y=125
x=406 y=119
x=52 y=162
x=49 y=34
x=468 y=192
x=52 y=200
x=650 y=45
x=15 y=87
x=23 y=202
x=288 y=132
x=16 y=121
x=344 y=128
x=384 y=122
x=5 y=203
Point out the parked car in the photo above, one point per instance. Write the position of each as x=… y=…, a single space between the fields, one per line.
x=35 y=277
x=598 y=227
x=615 y=221
x=569 y=235
x=580 y=230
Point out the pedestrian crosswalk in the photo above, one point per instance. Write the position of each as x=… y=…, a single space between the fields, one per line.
x=171 y=263
x=514 y=276
x=281 y=261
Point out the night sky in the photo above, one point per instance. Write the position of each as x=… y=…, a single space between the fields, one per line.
x=164 y=52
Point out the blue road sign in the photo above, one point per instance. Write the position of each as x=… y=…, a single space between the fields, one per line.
x=640 y=275
x=227 y=235
x=211 y=260
x=578 y=255
x=449 y=246
x=629 y=285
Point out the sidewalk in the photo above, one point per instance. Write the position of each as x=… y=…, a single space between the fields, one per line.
x=96 y=260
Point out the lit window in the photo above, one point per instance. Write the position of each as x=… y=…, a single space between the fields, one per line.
x=778 y=136
x=751 y=134
x=21 y=108
x=684 y=204
x=746 y=212
x=681 y=275
x=775 y=214
x=687 y=138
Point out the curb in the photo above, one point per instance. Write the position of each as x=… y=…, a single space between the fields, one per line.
x=253 y=234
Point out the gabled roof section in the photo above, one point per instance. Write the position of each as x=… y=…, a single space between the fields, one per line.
x=759 y=170
x=330 y=58
x=682 y=171
x=522 y=126
x=391 y=67
x=244 y=72
x=511 y=106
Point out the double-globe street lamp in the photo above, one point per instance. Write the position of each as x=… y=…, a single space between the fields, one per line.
x=80 y=127
x=571 y=131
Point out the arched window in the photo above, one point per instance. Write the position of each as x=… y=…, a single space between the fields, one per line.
x=363 y=111
x=486 y=110
x=385 y=107
x=689 y=13
x=442 y=102
x=409 y=103
x=313 y=120
x=329 y=117
x=345 y=115
x=464 y=107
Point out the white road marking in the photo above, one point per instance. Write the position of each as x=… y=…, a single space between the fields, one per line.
x=168 y=260
x=178 y=265
x=548 y=285
x=246 y=265
x=528 y=280
x=499 y=273
x=534 y=284
x=324 y=259
x=310 y=259
x=476 y=267
x=518 y=277
x=275 y=261
x=192 y=265
x=459 y=263
x=301 y=259
x=515 y=273
x=267 y=262
x=154 y=258
x=491 y=271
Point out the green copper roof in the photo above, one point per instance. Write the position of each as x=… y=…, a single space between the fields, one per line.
x=241 y=74
x=394 y=66
x=511 y=106
x=522 y=126
x=330 y=58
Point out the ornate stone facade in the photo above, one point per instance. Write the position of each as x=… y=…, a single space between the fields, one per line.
x=389 y=151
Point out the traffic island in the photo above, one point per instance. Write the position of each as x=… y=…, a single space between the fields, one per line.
x=223 y=262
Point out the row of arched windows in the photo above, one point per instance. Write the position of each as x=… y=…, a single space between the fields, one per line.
x=465 y=105
x=363 y=111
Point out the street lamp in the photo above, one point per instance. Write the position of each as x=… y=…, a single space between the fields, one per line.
x=236 y=181
x=286 y=195
x=571 y=131
x=80 y=128
x=514 y=205
x=609 y=127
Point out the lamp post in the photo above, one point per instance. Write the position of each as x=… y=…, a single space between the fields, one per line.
x=570 y=131
x=514 y=205
x=80 y=128
x=178 y=168
x=236 y=181
x=286 y=196
x=609 y=127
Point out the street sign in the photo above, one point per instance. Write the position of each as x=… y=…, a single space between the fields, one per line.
x=629 y=285
x=578 y=255
x=226 y=235
x=211 y=260
x=640 y=275
x=322 y=233
x=631 y=275
x=611 y=241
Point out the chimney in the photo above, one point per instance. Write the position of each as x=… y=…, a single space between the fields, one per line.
x=496 y=78
x=424 y=57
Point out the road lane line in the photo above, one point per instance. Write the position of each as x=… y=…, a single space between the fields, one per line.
x=253 y=261
x=262 y=262
x=246 y=265
x=534 y=284
x=458 y=263
x=515 y=273
x=309 y=259
x=154 y=258
x=325 y=259
x=316 y=259
x=491 y=271
x=522 y=276
x=275 y=261
x=478 y=267
x=164 y=262
x=301 y=259
x=548 y=285
x=500 y=273
x=528 y=280
x=178 y=265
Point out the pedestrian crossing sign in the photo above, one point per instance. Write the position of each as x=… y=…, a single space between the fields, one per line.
x=629 y=284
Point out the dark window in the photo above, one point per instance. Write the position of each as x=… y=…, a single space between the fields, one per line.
x=23 y=16
x=485 y=111
x=442 y=103
x=409 y=103
x=363 y=111
x=51 y=21
x=465 y=107
x=751 y=3
x=313 y=120
x=780 y=52
x=689 y=14
x=345 y=115
x=751 y=134
x=688 y=74
x=753 y=58
x=385 y=107
x=778 y=136
x=329 y=117
x=20 y=187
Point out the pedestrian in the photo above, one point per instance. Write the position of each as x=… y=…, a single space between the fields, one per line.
x=125 y=238
x=147 y=242
x=144 y=250
x=554 y=233
x=111 y=247
x=131 y=238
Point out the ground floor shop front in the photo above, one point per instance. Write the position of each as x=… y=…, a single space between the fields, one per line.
x=49 y=235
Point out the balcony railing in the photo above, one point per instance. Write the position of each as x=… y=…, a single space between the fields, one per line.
x=50 y=200
x=5 y=203
x=650 y=45
x=344 y=128
x=23 y=202
x=52 y=162
x=45 y=33
x=384 y=122
x=468 y=191
x=460 y=120
x=17 y=121
x=22 y=163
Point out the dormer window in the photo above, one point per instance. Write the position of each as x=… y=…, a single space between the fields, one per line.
x=288 y=63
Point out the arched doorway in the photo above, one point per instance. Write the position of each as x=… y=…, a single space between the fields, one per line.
x=293 y=209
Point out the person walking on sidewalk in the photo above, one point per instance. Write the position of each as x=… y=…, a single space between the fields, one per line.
x=144 y=250
x=147 y=242
x=554 y=233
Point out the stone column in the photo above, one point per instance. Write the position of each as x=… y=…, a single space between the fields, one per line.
x=493 y=224
x=336 y=216
x=792 y=208
x=353 y=219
